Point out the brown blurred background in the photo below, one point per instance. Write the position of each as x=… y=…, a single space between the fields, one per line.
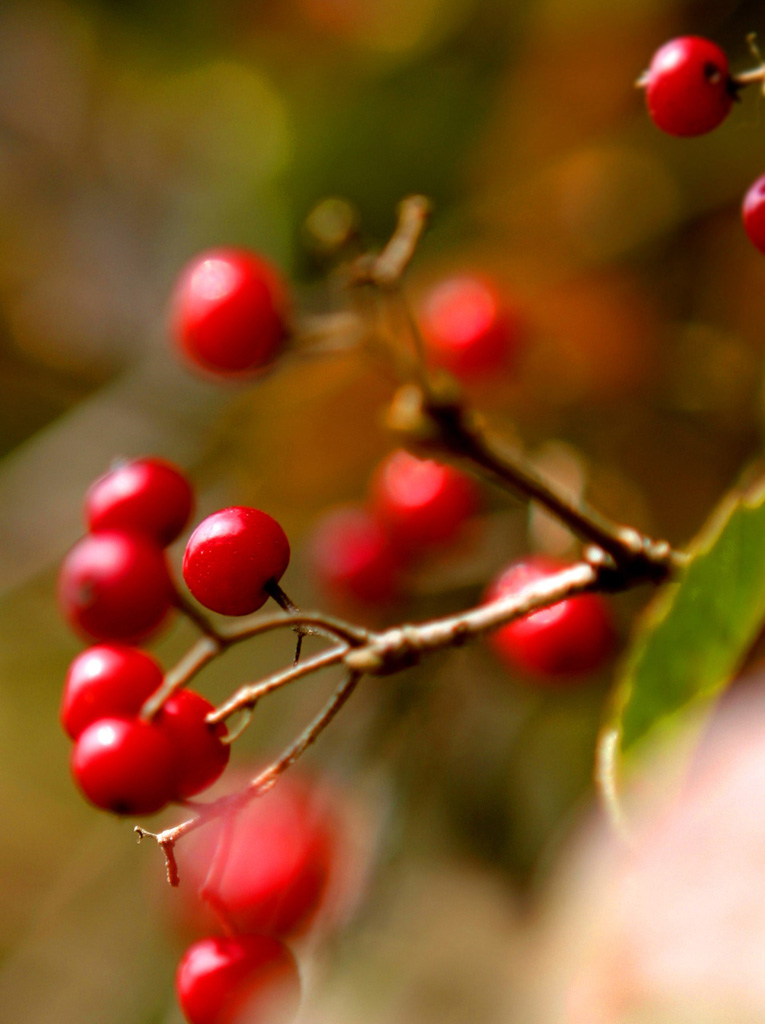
x=134 y=134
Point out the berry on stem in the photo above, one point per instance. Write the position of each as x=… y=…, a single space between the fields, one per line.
x=124 y=765
x=422 y=503
x=230 y=558
x=753 y=213
x=115 y=586
x=200 y=756
x=688 y=87
x=238 y=980
x=148 y=496
x=469 y=329
x=230 y=311
x=105 y=681
x=353 y=558
x=569 y=639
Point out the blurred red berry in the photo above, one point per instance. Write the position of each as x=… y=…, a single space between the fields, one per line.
x=274 y=861
x=115 y=586
x=200 y=756
x=124 y=765
x=238 y=980
x=469 y=329
x=107 y=681
x=354 y=560
x=569 y=639
x=688 y=87
x=230 y=311
x=146 y=496
x=753 y=212
x=422 y=503
x=231 y=556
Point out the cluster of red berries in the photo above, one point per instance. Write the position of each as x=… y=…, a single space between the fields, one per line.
x=115 y=586
x=689 y=91
x=359 y=553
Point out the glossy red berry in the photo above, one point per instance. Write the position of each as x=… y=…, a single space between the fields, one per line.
x=469 y=329
x=124 y=765
x=148 y=496
x=115 y=586
x=568 y=639
x=238 y=980
x=753 y=212
x=231 y=556
x=273 y=870
x=107 y=681
x=200 y=756
x=353 y=558
x=230 y=311
x=688 y=87
x=422 y=503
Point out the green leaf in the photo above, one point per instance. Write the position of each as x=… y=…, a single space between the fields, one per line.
x=692 y=638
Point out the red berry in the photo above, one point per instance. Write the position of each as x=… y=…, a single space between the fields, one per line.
x=107 y=681
x=469 y=329
x=688 y=88
x=146 y=496
x=200 y=757
x=753 y=212
x=272 y=872
x=231 y=556
x=229 y=311
x=238 y=980
x=422 y=503
x=353 y=558
x=115 y=586
x=570 y=638
x=124 y=765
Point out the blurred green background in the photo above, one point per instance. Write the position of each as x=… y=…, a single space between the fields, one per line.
x=134 y=134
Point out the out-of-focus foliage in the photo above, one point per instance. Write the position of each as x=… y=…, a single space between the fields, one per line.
x=694 y=637
x=133 y=135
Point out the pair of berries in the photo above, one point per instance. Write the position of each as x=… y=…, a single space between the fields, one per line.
x=115 y=583
x=121 y=762
x=273 y=859
x=558 y=645
x=415 y=505
x=690 y=91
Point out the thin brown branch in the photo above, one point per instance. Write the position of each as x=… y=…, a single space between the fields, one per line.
x=384 y=653
x=337 y=629
x=259 y=785
x=413 y=216
x=386 y=269
x=248 y=696
x=263 y=782
x=203 y=651
x=403 y=646
x=450 y=430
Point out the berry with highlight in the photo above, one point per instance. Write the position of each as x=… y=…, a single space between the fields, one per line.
x=230 y=558
x=688 y=87
x=230 y=311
